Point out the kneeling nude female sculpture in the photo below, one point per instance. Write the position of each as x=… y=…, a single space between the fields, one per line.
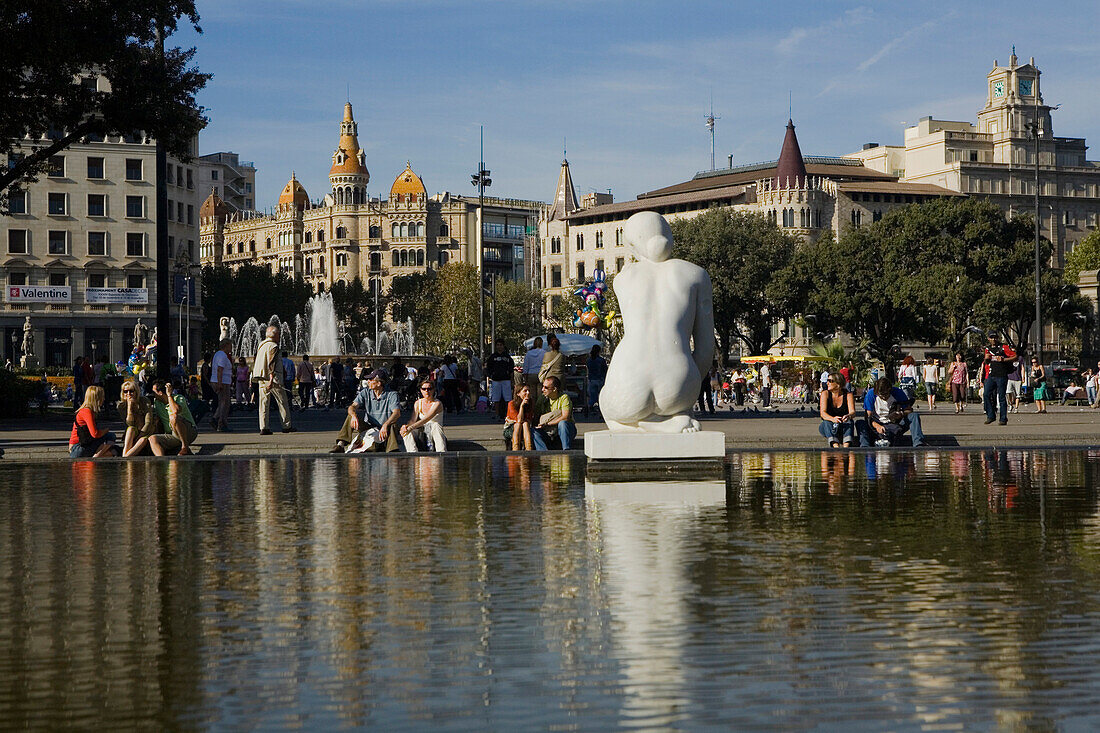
x=668 y=335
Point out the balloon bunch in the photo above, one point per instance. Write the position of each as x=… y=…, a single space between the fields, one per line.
x=592 y=315
x=137 y=362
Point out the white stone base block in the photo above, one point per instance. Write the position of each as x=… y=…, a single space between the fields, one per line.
x=604 y=445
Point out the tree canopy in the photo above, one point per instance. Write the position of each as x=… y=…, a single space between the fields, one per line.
x=924 y=272
x=249 y=291
x=354 y=306
x=745 y=255
x=1085 y=256
x=50 y=46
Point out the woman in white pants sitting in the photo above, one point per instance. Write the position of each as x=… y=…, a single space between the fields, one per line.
x=427 y=421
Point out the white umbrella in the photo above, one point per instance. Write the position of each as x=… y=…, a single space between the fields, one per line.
x=572 y=344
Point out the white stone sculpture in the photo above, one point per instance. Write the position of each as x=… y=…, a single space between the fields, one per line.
x=28 y=338
x=668 y=335
x=141 y=334
x=223 y=328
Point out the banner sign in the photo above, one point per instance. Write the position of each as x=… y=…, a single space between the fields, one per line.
x=39 y=294
x=129 y=296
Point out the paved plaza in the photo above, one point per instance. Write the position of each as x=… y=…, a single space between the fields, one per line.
x=46 y=438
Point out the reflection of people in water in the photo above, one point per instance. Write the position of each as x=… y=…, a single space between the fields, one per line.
x=1001 y=485
x=887 y=463
x=837 y=469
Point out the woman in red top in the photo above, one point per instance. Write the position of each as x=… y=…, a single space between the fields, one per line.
x=87 y=439
x=517 y=425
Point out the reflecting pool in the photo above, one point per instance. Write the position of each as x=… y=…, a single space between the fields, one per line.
x=943 y=589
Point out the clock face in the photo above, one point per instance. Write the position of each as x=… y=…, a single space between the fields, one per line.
x=1025 y=87
x=999 y=89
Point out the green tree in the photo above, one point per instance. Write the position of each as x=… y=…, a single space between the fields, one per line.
x=50 y=45
x=1085 y=256
x=926 y=271
x=354 y=306
x=454 y=310
x=743 y=253
x=411 y=296
x=518 y=311
x=249 y=291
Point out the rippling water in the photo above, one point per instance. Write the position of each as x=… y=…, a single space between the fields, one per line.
x=880 y=590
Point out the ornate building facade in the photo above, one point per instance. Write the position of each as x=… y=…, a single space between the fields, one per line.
x=349 y=235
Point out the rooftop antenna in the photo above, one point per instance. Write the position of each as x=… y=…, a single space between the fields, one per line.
x=563 y=149
x=710 y=118
x=349 y=92
x=790 y=105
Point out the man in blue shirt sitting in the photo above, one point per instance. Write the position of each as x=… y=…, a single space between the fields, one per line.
x=889 y=415
x=382 y=409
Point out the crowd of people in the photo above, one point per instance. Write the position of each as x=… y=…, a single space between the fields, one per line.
x=161 y=417
x=527 y=394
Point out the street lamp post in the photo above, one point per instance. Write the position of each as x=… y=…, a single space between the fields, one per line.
x=482 y=181
x=1038 y=264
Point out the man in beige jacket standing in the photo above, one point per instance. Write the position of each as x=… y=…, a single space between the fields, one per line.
x=268 y=371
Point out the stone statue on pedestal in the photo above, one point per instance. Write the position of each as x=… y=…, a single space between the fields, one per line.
x=141 y=334
x=668 y=335
x=223 y=328
x=28 y=360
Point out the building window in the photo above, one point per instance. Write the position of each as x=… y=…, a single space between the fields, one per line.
x=190 y=178
x=58 y=279
x=135 y=207
x=857 y=217
x=97 y=280
x=17 y=241
x=97 y=204
x=309 y=265
x=395 y=231
x=599 y=266
x=443 y=231
x=179 y=212
x=404 y=258
x=133 y=169
x=341 y=233
x=618 y=264
x=375 y=232
x=97 y=243
x=252 y=246
x=555 y=276
x=56 y=204
x=420 y=229
x=419 y=258
x=135 y=244
x=580 y=272
x=321 y=264
x=267 y=243
x=599 y=240
x=190 y=214
x=555 y=245
x=619 y=237
x=320 y=235
x=248 y=188
x=395 y=259
x=95 y=167
x=213 y=175
x=17 y=202
x=56 y=242
x=580 y=242
x=135 y=281
x=55 y=168
x=309 y=237
x=17 y=278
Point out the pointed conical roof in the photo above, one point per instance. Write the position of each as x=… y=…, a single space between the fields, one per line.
x=348 y=159
x=565 y=198
x=790 y=168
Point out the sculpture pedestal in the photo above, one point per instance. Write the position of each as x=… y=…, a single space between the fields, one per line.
x=654 y=456
x=29 y=362
x=604 y=445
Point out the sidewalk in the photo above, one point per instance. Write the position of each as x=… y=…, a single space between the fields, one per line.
x=39 y=438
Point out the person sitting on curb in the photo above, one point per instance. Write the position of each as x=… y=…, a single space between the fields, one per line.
x=555 y=422
x=175 y=420
x=140 y=417
x=382 y=411
x=427 y=423
x=838 y=412
x=889 y=415
x=88 y=440
x=518 y=422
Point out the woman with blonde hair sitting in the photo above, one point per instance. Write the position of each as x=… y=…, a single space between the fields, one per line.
x=139 y=417
x=88 y=440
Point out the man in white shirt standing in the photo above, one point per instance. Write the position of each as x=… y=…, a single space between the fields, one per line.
x=532 y=363
x=221 y=379
x=766 y=384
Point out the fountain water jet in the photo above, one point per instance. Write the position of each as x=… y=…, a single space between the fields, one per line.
x=323 y=334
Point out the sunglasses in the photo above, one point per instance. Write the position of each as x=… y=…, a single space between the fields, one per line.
x=425 y=389
x=127 y=391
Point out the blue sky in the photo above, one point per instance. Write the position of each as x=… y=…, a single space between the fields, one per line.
x=625 y=83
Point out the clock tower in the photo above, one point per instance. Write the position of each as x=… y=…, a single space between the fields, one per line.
x=1013 y=102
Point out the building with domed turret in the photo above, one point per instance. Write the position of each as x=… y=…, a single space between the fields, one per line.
x=346 y=234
